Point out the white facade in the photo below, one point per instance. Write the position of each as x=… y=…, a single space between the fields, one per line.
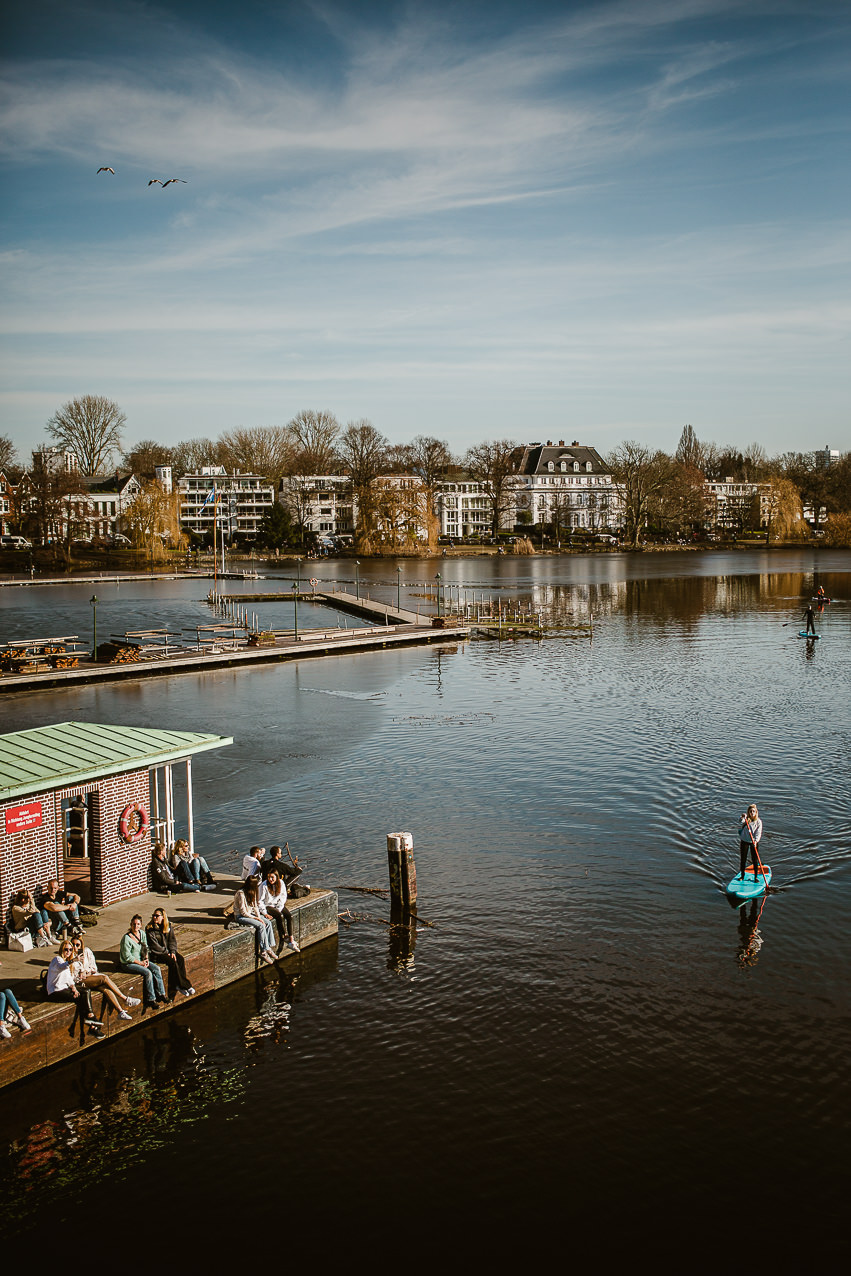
x=320 y=503
x=237 y=502
x=729 y=504
x=464 y=508
x=568 y=486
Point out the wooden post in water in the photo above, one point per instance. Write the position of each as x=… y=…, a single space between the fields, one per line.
x=403 y=871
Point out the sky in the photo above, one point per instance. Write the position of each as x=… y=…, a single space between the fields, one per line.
x=596 y=221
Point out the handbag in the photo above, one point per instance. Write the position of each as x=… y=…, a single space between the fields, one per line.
x=19 y=941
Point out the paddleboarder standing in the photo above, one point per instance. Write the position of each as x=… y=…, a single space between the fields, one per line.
x=810 y=617
x=750 y=832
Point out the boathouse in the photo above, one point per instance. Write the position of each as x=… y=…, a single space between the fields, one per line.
x=84 y=801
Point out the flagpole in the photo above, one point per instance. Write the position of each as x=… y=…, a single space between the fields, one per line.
x=215 y=550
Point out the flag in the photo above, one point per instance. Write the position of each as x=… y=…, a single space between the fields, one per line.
x=211 y=495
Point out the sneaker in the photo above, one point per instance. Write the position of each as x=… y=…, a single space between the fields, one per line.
x=211 y=886
x=133 y=1001
x=42 y=941
x=293 y=945
x=122 y=1014
x=189 y=992
x=268 y=956
x=23 y=1025
x=4 y=1032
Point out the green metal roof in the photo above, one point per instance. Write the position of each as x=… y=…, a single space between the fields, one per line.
x=77 y=752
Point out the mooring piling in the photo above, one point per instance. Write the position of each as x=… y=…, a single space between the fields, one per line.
x=403 y=871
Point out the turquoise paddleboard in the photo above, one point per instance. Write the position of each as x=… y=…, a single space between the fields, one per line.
x=748 y=888
x=803 y=634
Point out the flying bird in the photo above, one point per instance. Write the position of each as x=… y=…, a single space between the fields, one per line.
x=106 y=170
x=155 y=179
x=175 y=179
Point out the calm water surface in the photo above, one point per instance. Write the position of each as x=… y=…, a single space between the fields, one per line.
x=588 y=1037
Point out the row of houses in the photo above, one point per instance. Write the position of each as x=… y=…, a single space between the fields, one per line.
x=564 y=486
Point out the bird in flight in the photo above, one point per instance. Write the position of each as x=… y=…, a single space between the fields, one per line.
x=106 y=170
x=175 y=179
x=155 y=179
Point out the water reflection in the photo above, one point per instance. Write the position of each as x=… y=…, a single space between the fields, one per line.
x=750 y=936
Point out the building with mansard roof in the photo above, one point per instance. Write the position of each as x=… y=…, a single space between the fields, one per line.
x=567 y=485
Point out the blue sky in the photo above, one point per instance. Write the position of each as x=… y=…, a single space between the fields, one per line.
x=590 y=221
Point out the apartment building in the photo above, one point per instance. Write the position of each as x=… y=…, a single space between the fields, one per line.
x=237 y=502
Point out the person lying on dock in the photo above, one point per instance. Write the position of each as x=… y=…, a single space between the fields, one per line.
x=86 y=975
x=189 y=865
x=62 y=907
x=26 y=916
x=162 y=945
x=248 y=911
x=252 y=864
x=273 y=900
x=62 y=987
x=133 y=956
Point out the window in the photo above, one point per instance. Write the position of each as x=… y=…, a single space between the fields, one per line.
x=550 y=466
x=576 y=466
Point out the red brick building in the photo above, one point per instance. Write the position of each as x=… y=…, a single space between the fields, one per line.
x=89 y=800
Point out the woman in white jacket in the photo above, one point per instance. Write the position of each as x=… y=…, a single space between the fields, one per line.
x=61 y=986
x=248 y=911
x=273 y=898
x=84 y=968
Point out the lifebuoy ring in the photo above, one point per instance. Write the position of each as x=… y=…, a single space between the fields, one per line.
x=134 y=822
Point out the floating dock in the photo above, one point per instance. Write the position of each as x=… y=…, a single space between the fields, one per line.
x=214 y=957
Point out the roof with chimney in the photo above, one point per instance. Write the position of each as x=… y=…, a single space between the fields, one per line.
x=537 y=457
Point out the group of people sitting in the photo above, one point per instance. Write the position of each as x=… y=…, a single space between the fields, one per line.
x=261 y=903
x=56 y=914
x=181 y=870
x=73 y=975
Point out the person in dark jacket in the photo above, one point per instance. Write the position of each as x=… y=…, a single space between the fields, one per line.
x=810 y=617
x=162 y=945
x=162 y=876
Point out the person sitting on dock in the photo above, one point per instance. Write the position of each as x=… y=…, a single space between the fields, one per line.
x=63 y=908
x=24 y=915
x=162 y=944
x=276 y=863
x=133 y=956
x=273 y=899
x=9 y=1003
x=86 y=975
x=248 y=911
x=162 y=876
x=189 y=865
x=61 y=986
x=252 y=864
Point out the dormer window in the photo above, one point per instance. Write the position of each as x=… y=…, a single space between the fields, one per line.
x=563 y=467
x=550 y=466
x=588 y=467
x=576 y=466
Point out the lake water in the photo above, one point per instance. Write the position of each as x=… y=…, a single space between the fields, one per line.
x=589 y=1048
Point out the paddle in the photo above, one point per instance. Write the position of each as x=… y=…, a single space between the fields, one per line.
x=756 y=853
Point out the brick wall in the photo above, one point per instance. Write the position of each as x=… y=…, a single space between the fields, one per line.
x=118 y=870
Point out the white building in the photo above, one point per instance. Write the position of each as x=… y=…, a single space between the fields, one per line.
x=567 y=485
x=464 y=508
x=732 y=505
x=320 y=503
x=236 y=501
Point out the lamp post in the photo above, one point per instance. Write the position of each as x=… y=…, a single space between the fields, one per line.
x=357 y=578
x=437 y=578
x=398 y=588
x=295 y=608
x=94 y=601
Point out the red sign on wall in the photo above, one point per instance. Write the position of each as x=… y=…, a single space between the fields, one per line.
x=23 y=817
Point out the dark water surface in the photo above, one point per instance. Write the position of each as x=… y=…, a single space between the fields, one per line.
x=589 y=1049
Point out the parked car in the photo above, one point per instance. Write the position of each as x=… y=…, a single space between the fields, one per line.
x=15 y=542
x=119 y=539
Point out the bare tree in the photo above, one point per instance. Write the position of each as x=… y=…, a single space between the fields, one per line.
x=268 y=450
x=492 y=464
x=144 y=457
x=154 y=520
x=643 y=476
x=314 y=435
x=190 y=455
x=363 y=452
x=90 y=427
x=8 y=456
x=430 y=459
x=690 y=451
